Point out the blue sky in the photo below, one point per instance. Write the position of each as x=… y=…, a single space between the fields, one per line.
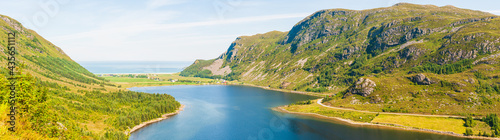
x=175 y=30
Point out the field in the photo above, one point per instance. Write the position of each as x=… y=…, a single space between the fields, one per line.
x=443 y=124
x=140 y=80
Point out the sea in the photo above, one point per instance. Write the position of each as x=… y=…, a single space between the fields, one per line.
x=133 y=67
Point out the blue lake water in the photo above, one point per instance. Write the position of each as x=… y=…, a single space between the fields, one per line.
x=107 y=67
x=244 y=113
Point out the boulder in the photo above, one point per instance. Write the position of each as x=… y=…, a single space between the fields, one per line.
x=421 y=79
x=363 y=87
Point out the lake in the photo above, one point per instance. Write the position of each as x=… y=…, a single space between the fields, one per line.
x=117 y=67
x=218 y=112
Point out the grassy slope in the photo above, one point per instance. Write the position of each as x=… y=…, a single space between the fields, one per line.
x=65 y=100
x=367 y=44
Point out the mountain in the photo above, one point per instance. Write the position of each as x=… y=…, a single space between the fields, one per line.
x=403 y=58
x=57 y=98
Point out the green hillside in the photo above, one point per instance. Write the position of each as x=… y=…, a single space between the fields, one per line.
x=59 y=99
x=403 y=58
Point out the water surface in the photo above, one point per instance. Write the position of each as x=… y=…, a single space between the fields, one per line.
x=241 y=113
x=107 y=67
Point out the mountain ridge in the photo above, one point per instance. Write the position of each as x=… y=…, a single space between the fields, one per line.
x=332 y=51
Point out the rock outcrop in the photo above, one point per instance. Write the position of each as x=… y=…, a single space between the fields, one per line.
x=363 y=87
x=421 y=79
x=216 y=69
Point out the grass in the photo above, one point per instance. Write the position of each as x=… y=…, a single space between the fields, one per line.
x=434 y=123
x=163 y=80
x=128 y=79
x=318 y=109
x=455 y=125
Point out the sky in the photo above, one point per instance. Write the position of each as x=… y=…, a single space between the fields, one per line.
x=175 y=30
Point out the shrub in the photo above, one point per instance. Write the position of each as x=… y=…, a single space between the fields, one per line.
x=457 y=67
x=320 y=89
x=303 y=102
x=469 y=122
x=493 y=121
x=468 y=132
x=327 y=98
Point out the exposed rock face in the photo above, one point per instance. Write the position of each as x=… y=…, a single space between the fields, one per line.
x=363 y=87
x=216 y=69
x=232 y=51
x=412 y=53
x=421 y=79
x=311 y=28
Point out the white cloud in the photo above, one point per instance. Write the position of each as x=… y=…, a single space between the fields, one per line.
x=119 y=38
x=131 y=29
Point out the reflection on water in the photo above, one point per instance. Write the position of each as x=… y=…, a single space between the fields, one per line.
x=238 y=112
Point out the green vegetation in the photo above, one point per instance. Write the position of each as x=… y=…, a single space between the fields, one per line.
x=81 y=114
x=469 y=122
x=327 y=98
x=468 y=132
x=59 y=99
x=138 y=80
x=58 y=67
x=303 y=102
x=494 y=122
x=320 y=89
x=434 y=123
x=315 y=108
x=143 y=106
x=196 y=69
x=445 y=69
x=445 y=124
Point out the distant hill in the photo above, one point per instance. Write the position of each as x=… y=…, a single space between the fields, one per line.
x=57 y=98
x=403 y=58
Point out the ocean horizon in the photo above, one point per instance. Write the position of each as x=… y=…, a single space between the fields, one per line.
x=131 y=67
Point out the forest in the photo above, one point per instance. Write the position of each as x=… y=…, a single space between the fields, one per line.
x=48 y=110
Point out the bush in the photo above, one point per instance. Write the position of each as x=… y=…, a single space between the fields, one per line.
x=457 y=67
x=468 y=132
x=487 y=88
x=494 y=122
x=378 y=70
x=320 y=89
x=480 y=75
x=393 y=109
x=469 y=122
x=327 y=98
x=303 y=102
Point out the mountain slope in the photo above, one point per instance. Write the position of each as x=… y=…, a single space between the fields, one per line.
x=57 y=98
x=396 y=48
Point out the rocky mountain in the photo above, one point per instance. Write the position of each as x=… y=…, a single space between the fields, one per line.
x=391 y=54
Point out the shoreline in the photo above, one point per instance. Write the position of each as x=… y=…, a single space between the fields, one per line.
x=347 y=121
x=387 y=126
x=283 y=90
x=130 y=73
x=163 y=117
